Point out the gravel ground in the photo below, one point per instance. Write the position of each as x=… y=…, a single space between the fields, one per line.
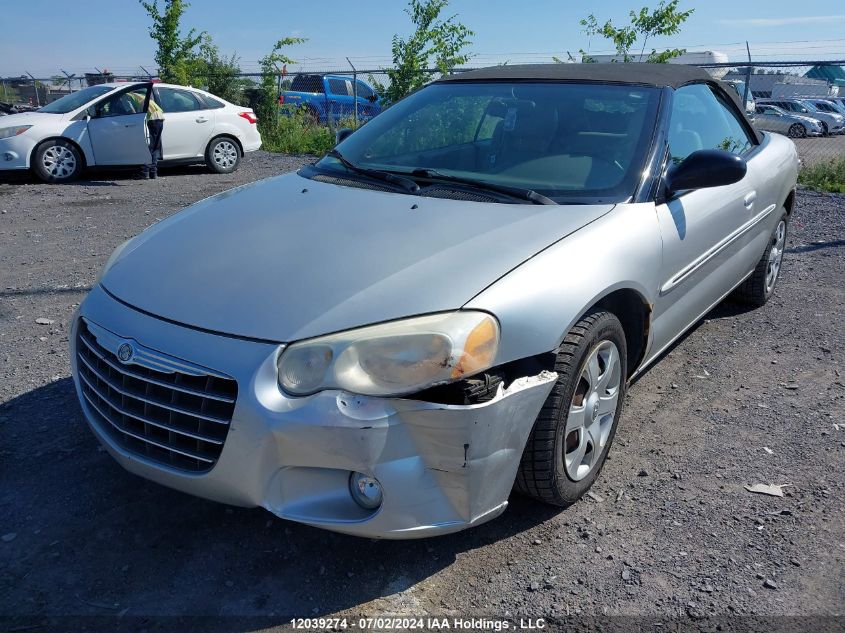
x=670 y=531
x=820 y=149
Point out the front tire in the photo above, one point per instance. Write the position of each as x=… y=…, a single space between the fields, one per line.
x=572 y=434
x=760 y=286
x=796 y=130
x=56 y=161
x=222 y=156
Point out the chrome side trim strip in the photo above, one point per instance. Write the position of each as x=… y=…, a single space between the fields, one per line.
x=689 y=270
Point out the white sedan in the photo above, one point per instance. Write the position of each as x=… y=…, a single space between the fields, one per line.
x=105 y=125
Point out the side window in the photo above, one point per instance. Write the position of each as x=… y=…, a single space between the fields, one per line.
x=702 y=120
x=338 y=87
x=364 y=91
x=211 y=103
x=173 y=100
x=131 y=102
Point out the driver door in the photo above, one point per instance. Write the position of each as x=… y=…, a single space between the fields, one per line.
x=706 y=231
x=117 y=127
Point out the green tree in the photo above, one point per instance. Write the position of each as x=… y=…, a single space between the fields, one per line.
x=646 y=24
x=267 y=107
x=436 y=41
x=219 y=75
x=175 y=54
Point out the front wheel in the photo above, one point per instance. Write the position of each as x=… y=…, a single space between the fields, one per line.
x=57 y=161
x=569 y=442
x=825 y=129
x=796 y=130
x=760 y=286
x=222 y=155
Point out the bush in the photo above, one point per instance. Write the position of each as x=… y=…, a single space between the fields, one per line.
x=828 y=176
x=296 y=135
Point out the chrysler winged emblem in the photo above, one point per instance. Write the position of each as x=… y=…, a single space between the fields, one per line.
x=125 y=352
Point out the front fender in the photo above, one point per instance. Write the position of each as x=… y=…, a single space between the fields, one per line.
x=538 y=302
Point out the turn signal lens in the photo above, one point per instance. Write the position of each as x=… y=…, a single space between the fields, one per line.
x=479 y=349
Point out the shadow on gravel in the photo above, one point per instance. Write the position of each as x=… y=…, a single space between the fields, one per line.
x=726 y=309
x=102 y=177
x=809 y=248
x=31 y=292
x=93 y=540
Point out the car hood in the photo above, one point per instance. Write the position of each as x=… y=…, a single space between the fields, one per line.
x=28 y=118
x=289 y=258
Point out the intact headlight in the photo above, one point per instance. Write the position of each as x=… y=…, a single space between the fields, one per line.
x=394 y=358
x=8 y=132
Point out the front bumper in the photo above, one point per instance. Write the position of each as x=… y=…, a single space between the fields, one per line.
x=442 y=467
x=15 y=151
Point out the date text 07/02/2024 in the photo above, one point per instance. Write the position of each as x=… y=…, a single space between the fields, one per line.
x=427 y=623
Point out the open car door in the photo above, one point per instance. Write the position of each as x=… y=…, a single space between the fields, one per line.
x=117 y=127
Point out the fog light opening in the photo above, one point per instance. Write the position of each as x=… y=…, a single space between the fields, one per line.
x=365 y=490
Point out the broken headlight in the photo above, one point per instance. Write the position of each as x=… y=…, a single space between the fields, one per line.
x=392 y=359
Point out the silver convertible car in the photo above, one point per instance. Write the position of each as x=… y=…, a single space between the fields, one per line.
x=448 y=306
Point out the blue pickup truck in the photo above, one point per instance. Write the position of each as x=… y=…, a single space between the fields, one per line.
x=330 y=98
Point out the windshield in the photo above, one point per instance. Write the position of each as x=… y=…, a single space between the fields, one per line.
x=562 y=140
x=74 y=100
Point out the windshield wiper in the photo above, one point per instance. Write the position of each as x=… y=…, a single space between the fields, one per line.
x=406 y=183
x=514 y=192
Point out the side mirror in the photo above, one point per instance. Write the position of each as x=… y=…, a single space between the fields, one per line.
x=342 y=134
x=705 y=168
x=372 y=98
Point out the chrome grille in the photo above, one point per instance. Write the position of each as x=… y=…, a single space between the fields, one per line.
x=175 y=418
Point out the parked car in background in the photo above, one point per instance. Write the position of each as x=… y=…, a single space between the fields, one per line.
x=773 y=119
x=839 y=102
x=831 y=123
x=826 y=105
x=330 y=98
x=449 y=304
x=104 y=125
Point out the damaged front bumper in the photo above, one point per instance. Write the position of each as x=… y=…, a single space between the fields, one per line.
x=442 y=468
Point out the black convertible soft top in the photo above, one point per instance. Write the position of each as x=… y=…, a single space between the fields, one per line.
x=635 y=73
x=660 y=75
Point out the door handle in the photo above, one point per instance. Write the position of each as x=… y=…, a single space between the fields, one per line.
x=749 y=199
x=201 y=119
x=131 y=125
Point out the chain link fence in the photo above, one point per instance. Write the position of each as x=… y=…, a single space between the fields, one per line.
x=804 y=100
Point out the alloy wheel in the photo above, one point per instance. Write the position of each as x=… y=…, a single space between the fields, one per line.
x=59 y=161
x=592 y=411
x=775 y=256
x=225 y=154
x=797 y=131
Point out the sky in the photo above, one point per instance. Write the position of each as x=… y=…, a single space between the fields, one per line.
x=43 y=37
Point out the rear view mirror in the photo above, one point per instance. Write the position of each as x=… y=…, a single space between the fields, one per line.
x=341 y=135
x=705 y=168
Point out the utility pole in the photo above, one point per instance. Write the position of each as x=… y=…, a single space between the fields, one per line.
x=35 y=85
x=354 y=90
x=747 y=77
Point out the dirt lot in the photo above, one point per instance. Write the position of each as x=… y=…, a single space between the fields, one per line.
x=745 y=398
